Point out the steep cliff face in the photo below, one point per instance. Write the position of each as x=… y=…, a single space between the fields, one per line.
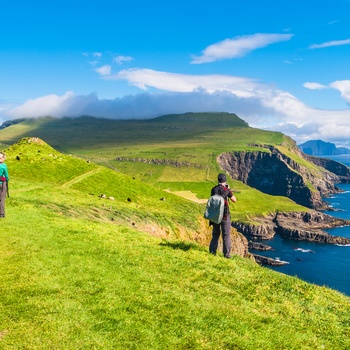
x=273 y=172
x=341 y=170
x=239 y=244
x=265 y=228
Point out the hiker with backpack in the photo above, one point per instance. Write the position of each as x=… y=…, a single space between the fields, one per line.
x=224 y=225
x=4 y=178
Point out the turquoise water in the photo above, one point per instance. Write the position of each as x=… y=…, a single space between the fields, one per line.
x=321 y=264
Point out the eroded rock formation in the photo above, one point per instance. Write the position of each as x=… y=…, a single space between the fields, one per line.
x=302 y=226
x=339 y=169
x=273 y=172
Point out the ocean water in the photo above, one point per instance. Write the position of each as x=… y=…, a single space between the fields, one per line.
x=321 y=264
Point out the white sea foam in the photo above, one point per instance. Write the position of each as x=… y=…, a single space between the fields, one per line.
x=304 y=250
x=279 y=259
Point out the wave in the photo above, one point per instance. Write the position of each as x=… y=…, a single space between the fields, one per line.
x=279 y=259
x=304 y=250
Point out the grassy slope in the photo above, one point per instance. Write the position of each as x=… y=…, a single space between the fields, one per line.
x=74 y=279
x=195 y=138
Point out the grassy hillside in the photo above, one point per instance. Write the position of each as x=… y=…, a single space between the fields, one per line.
x=33 y=164
x=79 y=271
x=175 y=152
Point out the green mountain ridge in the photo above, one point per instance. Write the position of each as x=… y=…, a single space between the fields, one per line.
x=191 y=142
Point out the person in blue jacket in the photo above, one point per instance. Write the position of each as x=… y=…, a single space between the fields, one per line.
x=4 y=179
x=224 y=227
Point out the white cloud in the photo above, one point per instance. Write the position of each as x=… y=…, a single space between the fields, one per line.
x=144 y=78
x=121 y=59
x=333 y=22
x=96 y=57
x=314 y=86
x=243 y=90
x=104 y=70
x=260 y=105
x=52 y=105
x=238 y=47
x=344 y=87
x=138 y=106
x=330 y=43
x=94 y=63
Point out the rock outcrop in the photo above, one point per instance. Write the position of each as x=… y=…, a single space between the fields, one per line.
x=310 y=227
x=263 y=260
x=259 y=246
x=239 y=244
x=302 y=226
x=275 y=173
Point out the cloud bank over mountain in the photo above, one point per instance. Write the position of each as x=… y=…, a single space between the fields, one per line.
x=261 y=105
x=162 y=92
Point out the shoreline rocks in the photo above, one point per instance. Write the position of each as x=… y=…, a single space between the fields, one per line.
x=263 y=260
x=259 y=246
x=302 y=226
x=310 y=227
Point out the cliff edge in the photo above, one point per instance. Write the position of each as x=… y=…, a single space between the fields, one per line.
x=304 y=179
x=307 y=226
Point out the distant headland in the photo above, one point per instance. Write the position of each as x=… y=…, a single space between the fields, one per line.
x=322 y=148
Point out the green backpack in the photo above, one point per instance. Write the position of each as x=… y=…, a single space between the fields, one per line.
x=214 y=210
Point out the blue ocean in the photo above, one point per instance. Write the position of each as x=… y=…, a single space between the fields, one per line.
x=321 y=264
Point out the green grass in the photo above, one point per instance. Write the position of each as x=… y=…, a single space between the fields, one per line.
x=72 y=282
x=82 y=272
x=204 y=133
x=194 y=140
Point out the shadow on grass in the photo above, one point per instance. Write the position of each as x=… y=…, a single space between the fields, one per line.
x=185 y=246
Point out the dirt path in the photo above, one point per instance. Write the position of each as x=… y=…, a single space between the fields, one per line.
x=81 y=177
x=189 y=195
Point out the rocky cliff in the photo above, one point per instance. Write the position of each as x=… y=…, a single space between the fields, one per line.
x=303 y=226
x=304 y=179
x=339 y=169
x=272 y=171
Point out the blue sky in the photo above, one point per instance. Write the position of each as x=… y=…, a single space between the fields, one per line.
x=280 y=65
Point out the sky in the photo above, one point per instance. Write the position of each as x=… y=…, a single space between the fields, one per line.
x=281 y=65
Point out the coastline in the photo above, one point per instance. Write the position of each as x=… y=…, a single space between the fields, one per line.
x=318 y=263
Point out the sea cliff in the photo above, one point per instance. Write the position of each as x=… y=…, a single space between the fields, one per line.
x=274 y=172
x=302 y=178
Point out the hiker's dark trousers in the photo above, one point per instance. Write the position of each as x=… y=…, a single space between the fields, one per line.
x=3 y=192
x=225 y=229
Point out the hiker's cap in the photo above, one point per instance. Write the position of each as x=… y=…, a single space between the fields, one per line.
x=221 y=178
